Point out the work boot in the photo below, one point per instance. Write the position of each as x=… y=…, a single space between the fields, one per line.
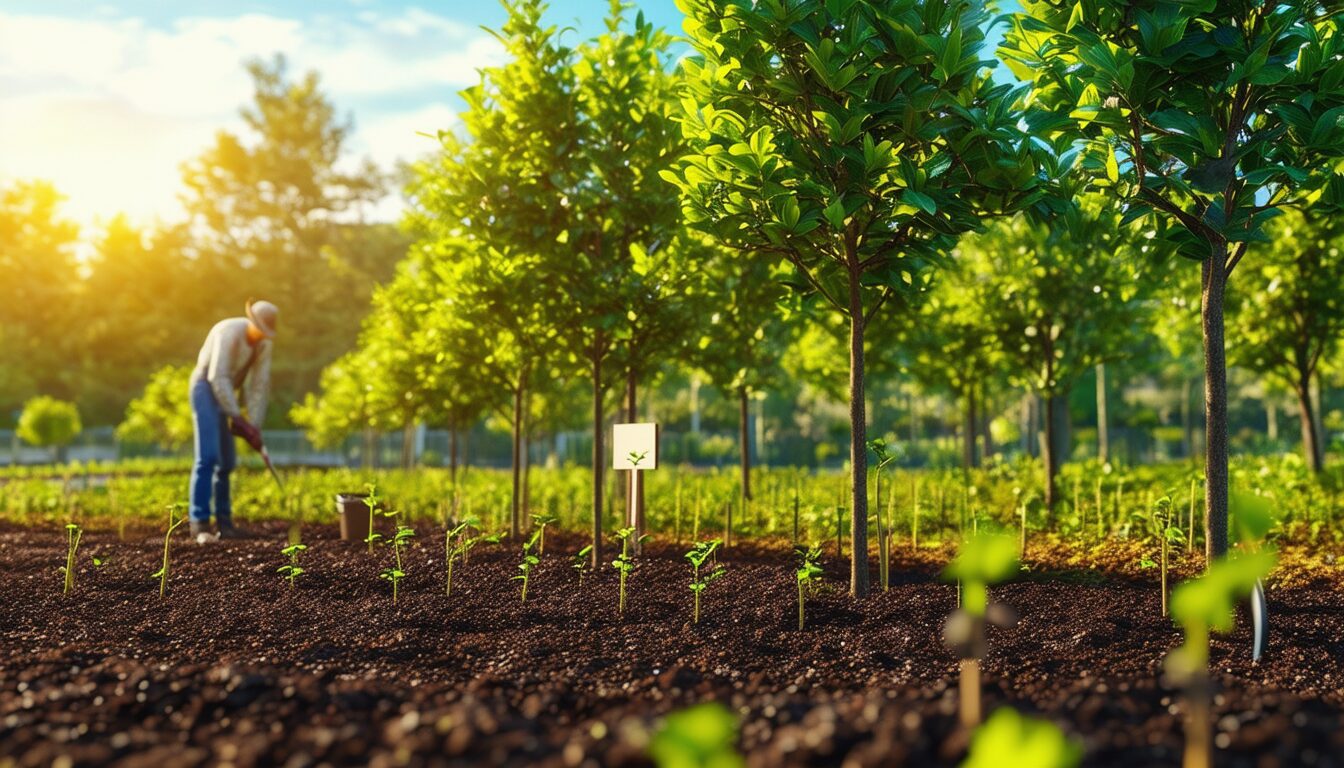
x=229 y=531
x=200 y=532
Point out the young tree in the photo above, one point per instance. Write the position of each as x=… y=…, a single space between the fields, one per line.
x=627 y=273
x=1296 y=320
x=854 y=140
x=1062 y=294
x=493 y=210
x=49 y=423
x=161 y=415
x=1209 y=117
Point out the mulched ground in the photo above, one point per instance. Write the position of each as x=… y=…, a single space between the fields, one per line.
x=236 y=668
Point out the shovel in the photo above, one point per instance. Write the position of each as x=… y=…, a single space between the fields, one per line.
x=266 y=457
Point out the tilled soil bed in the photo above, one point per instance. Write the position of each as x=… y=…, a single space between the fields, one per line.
x=234 y=667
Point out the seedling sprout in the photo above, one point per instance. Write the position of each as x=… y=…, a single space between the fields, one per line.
x=73 y=533
x=291 y=570
x=173 y=524
x=579 y=562
x=808 y=574
x=528 y=563
x=698 y=556
x=984 y=559
x=396 y=573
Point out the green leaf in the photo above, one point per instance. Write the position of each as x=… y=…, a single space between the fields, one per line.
x=835 y=214
x=920 y=200
x=702 y=736
x=1029 y=742
x=1075 y=16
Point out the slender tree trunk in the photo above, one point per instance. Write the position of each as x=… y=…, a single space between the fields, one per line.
x=1271 y=419
x=1103 y=424
x=1318 y=409
x=1307 y=413
x=515 y=512
x=599 y=455
x=407 y=444
x=914 y=419
x=988 y=449
x=744 y=438
x=858 y=447
x=452 y=455
x=526 y=456
x=1049 y=453
x=1187 y=419
x=1213 y=286
x=695 y=405
x=968 y=454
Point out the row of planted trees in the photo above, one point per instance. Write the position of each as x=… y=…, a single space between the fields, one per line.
x=856 y=167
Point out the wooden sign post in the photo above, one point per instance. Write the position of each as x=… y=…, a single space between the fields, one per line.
x=634 y=448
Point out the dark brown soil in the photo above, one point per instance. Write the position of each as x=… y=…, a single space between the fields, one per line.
x=235 y=668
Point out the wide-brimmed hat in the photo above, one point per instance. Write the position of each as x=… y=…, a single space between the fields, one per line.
x=264 y=315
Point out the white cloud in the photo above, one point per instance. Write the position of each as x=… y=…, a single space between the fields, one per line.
x=109 y=109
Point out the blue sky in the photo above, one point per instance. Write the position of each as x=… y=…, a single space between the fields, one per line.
x=108 y=99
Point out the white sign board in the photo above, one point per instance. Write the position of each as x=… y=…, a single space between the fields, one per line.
x=634 y=441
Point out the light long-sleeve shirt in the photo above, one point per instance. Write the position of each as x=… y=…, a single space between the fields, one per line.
x=229 y=363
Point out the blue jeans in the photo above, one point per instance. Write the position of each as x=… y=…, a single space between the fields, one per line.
x=215 y=457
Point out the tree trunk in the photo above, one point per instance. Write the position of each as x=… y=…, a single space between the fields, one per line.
x=408 y=444
x=1318 y=409
x=744 y=424
x=695 y=405
x=526 y=456
x=988 y=448
x=1187 y=419
x=1213 y=286
x=515 y=520
x=858 y=448
x=1271 y=419
x=968 y=454
x=452 y=455
x=1049 y=453
x=599 y=455
x=1310 y=438
x=914 y=420
x=1103 y=428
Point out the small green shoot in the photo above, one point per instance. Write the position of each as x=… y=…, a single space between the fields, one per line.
x=879 y=448
x=703 y=736
x=624 y=563
x=808 y=574
x=372 y=500
x=291 y=570
x=528 y=563
x=1008 y=738
x=541 y=521
x=983 y=559
x=698 y=556
x=1201 y=607
x=1159 y=523
x=579 y=562
x=173 y=525
x=400 y=540
x=458 y=544
x=73 y=533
